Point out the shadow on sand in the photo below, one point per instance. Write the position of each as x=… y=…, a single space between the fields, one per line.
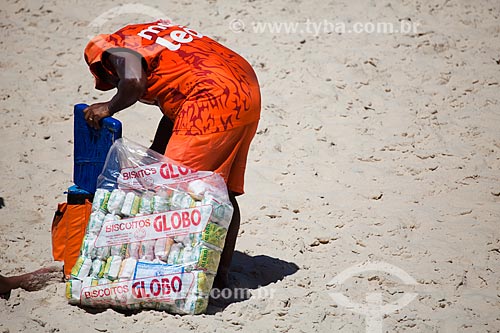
x=252 y=272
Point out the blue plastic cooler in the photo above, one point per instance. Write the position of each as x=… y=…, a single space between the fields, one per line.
x=91 y=148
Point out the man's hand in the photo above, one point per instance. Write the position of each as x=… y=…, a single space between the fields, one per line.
x=96 y=112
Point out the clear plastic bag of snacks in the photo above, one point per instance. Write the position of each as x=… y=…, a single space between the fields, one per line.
x=155 y=235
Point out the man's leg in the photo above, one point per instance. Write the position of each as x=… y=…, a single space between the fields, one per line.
x=222 y=278
x=162 y=136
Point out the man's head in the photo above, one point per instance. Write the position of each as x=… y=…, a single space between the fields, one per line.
x=104 y=79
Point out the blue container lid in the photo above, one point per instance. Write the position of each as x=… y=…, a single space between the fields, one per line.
x=75 y=189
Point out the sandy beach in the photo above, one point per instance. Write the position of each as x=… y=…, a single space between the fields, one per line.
x=375 y=150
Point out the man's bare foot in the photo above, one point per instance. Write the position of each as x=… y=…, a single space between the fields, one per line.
x=5 y=287
x=40 y=278
x=30 y=281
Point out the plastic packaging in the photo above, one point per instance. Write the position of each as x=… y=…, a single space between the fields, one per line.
x=155 y=236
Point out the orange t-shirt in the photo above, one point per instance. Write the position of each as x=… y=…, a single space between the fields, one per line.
x=202 y=86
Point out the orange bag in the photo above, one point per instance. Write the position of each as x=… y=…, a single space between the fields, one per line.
x=68 y=230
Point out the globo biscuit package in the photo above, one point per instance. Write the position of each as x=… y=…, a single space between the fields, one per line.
x=155 y=235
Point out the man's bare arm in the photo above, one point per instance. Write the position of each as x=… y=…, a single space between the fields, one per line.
x=131 y=82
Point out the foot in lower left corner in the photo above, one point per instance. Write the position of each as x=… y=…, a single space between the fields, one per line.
x=5 y=287
x=40 y=278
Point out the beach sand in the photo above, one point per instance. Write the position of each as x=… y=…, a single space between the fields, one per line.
x=379 y=149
